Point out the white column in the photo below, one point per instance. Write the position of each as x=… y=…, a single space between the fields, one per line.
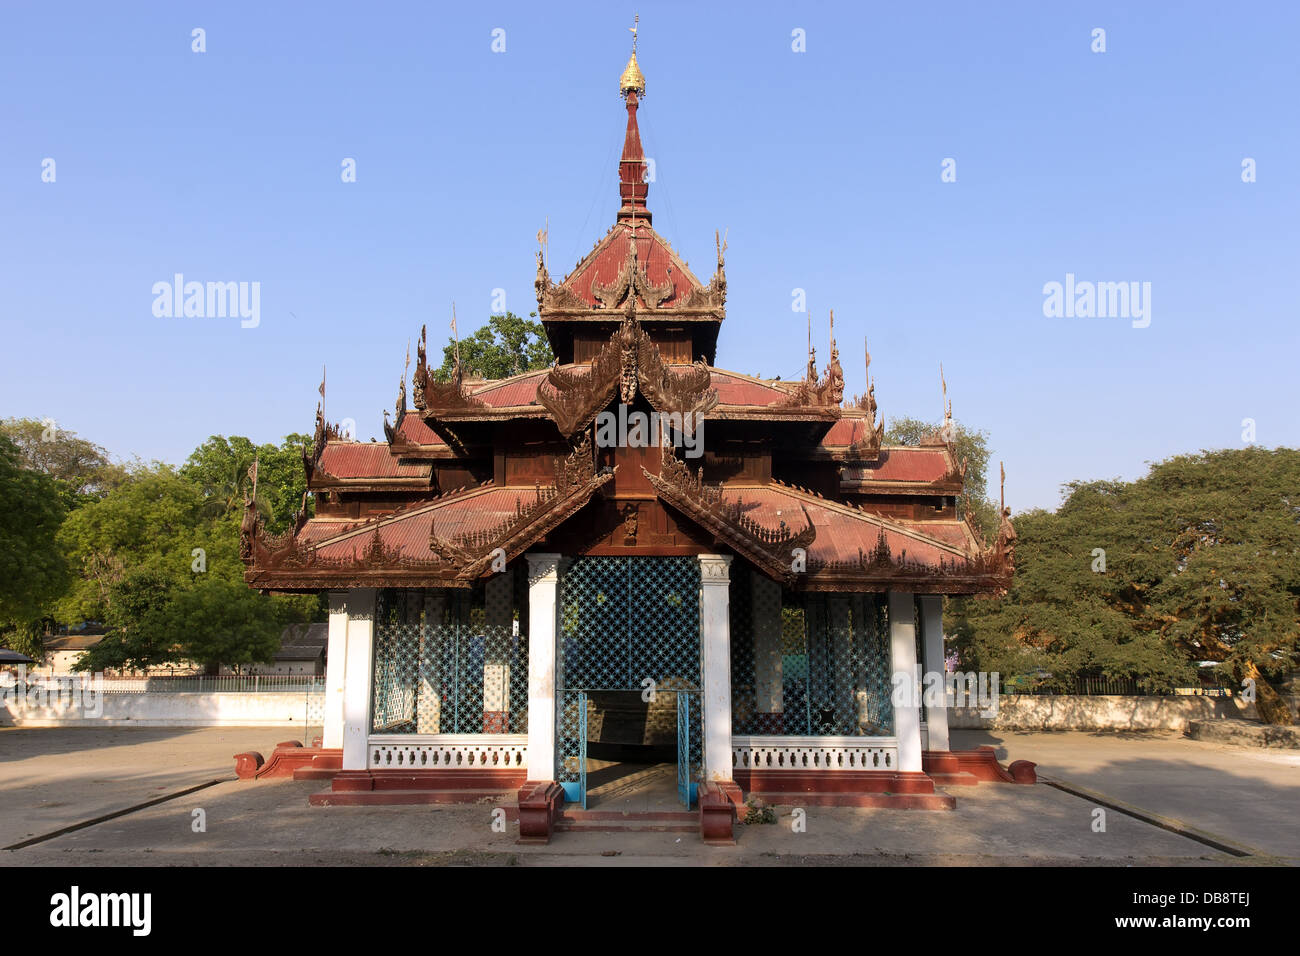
x=543 y=582
x=357 y=678
x=715 y=660
x=336 y=662
x=936 y=717
x=902 y=652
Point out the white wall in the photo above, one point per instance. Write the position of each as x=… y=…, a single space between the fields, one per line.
x=162 y=710
x=1096 y=712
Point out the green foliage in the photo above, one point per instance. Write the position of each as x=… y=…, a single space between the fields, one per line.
x=1201 y=563
x=223 y=622
x=33 y=571
x=81 y=468
x=220 y=469
x=507 y=345
x=151 y=523
x=158 y=560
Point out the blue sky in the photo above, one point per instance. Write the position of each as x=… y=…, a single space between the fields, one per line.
x=824 y=166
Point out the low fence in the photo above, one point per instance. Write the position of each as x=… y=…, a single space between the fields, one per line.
x=1121 y=687
x=1099 y=712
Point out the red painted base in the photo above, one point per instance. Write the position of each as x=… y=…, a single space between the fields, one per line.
x=980 y=764
x=718 y=814
x=878 y=801
x=290 y=759
x=391 y=787
x=540 y=803
x=844 y=788
x=833 y=781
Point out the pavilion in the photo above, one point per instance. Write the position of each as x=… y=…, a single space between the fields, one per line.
x=519 y=574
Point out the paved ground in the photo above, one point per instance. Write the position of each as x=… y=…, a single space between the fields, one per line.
x=1251 y=796
x=52 y=778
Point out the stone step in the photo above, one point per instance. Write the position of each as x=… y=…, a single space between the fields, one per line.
x=619 y=821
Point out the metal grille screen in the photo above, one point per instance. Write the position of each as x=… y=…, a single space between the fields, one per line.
x=808 y=665
x=627 y=623
x=451 y=662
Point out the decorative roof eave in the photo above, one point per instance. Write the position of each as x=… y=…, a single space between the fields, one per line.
x=771 y=551
x=576 y=480
x=920 y=580
x=628 y=362
x=936 y=488
x=774 y=413
x=371 y=484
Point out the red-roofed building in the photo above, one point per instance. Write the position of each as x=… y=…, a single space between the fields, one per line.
x=632 y=549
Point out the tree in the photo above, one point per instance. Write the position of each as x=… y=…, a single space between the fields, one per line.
x=141 y=634
x=219 y=468
x=507 y=345
x=220 y=622
x=969 y=445
x=81 y=467
x=153 y=522
x=33 y=572
x=1197 y=562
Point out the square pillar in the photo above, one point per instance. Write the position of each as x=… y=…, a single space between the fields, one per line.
x=715 y=662
x=902 y=652
x=336 y=658
x=936 y=716
x=357 y=678
x=543 y=608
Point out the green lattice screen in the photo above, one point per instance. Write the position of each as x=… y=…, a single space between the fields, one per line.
x=808 y=665
x=450 y=662
x=625 y=621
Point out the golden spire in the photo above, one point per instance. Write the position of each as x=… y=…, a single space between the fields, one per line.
x=632 y=80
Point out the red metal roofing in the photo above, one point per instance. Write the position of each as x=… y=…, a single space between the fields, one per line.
x=368 y=460
x=734 y=389
x=845 y=432
x=903 y=463
x=520 y=390
x=414 y=429
x=653 y=255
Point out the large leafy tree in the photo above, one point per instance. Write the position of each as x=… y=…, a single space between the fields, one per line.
x=81 y=467
x=153 y=523
x=1197 y=562
x=220 y=468
x=507 y=345
x=33 y=572
x=159 y=563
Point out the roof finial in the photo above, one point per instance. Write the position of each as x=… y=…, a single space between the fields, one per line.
x=632 y=166
x=632 y=79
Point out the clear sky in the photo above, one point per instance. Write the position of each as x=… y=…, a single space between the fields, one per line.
x=823 y=165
